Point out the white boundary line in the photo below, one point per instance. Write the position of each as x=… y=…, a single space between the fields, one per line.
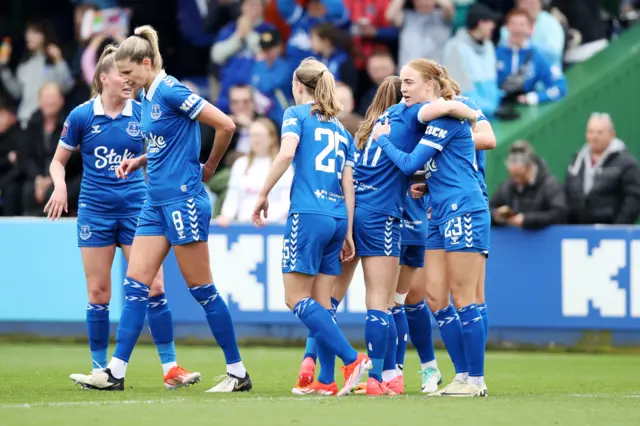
x=257 y=399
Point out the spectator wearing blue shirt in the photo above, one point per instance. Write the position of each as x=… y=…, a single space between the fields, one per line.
x=470 y=58
x=271 y=78
x=236 y=47
x=333 y=47
x=547 y=36
x=302 y=19
x=523 y=72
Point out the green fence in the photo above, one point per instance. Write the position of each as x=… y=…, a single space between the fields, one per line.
x=608 y=82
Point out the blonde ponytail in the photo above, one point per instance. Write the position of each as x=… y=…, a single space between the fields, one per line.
x=144 y=43
x=320 y=82
x=106 y=62
x=387 y=94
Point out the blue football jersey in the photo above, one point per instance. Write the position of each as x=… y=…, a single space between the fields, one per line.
x=172 y=134
x=324 y=148
x=481 y=156
x=104 y=142
x=448 y=149
x=414 y=221
x=381 y=187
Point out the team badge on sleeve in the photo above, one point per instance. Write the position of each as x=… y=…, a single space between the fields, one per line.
x=65 y=129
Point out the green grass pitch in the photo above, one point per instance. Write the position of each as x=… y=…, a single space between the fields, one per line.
x=525 y=389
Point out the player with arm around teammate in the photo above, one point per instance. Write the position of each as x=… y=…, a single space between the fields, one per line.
x=319 y=228
x=484 y=139
x=177 y=211
x=106 y=129
x=459 y=227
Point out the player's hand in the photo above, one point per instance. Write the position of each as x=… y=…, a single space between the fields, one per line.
x=418 y=190
x=57 y=203
x=128 y=166
x=381 y=129
x=429 y=213
x=348 y=249
x=262 y=205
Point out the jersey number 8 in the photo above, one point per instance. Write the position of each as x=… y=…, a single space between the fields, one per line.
x=333 y=141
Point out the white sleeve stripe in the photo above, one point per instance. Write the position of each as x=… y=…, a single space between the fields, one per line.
x=194 y=114
x=349 y=163
x=419 y=119
x=67 y=146
x=295 y=135
x=431 y=144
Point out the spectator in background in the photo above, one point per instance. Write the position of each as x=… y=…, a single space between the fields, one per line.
x=271 y=78
x=10 y=173
x=93 y=51
x=37 y=150
x=470 y=58
x=603 y=180
x=302 y=19
x=588 y=29
x=548 y=36
x=236 y=47
x=531 y=198
x=43 y=63
x=523 y=73
x=243 y=113
x=424 y=30
x=460 y=17
x=333 y=48
x=380 y=65
x=350 y=120
x=370 y=28
x=248 y=174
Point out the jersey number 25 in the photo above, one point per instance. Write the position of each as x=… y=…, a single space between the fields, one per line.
x=325 y=162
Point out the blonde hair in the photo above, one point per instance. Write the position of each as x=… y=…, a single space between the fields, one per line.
x=387 y=94
x=432 y=71
x=452 y=82
x=273 y=138
x=320 y=82
x=106 y=62
x=142 y=44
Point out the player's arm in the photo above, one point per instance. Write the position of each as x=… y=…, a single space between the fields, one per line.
x=483 y=136
x=58 y=201
x=409 y=163
x=457 y=109
x=224 y=126
x=281 y=163
x=349 y=192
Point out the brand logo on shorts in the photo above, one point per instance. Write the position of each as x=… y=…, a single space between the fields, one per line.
x=133 y=129
x=85 y=232
x=155 y=112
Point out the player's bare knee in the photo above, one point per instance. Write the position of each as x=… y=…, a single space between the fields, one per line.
x=414 y=297
x=99 y=292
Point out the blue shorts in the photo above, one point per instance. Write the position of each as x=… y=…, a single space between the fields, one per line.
x=312 y=244
x=96 y=231
x=412 y=256
x=376 y=234
x=468 y=232
x=182 y=222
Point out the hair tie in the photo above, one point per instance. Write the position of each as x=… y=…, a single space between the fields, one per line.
x=140 y=36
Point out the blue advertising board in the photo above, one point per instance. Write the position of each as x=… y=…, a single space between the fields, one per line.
x=561 y=278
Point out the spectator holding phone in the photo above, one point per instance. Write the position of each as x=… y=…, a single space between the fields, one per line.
x=531 y=198
x=43 y=63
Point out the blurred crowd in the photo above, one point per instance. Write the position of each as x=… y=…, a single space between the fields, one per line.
x=240 y=54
